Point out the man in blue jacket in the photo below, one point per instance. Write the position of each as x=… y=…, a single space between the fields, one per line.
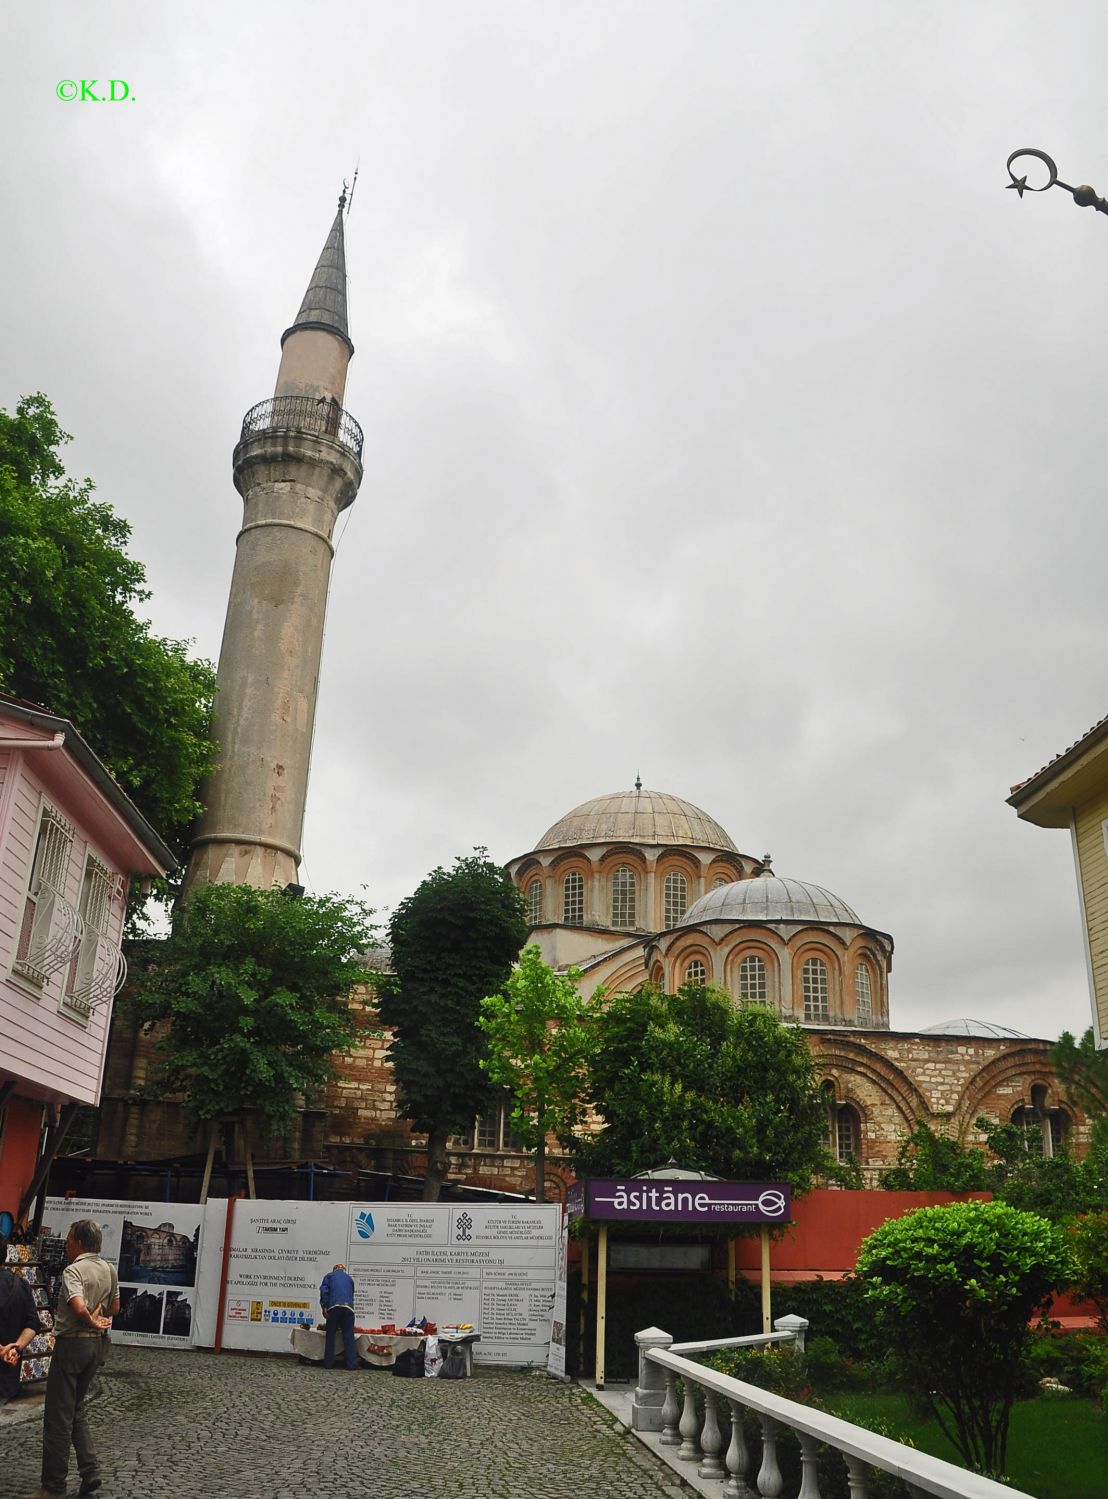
x=336 y=1297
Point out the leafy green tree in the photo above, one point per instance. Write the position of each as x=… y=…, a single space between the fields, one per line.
x=1083 y=1072
x=454 y=941
x=539 y=1039
x=1088 y=1237
x=71 y=641
x=1058 y=1187
x=955 y=1288
x=928 y=1161
x=255 y=988
x=716 y=1086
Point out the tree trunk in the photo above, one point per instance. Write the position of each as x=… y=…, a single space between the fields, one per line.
x=213 y=1132
x=436 y=1163
x=248 y=1156
x=540 y=1172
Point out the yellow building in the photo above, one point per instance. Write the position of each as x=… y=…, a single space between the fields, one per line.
x=1072 y=792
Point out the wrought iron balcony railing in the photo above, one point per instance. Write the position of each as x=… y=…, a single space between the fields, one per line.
x=304 y=414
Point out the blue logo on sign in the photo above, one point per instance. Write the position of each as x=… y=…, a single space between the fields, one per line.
x=363 y=1224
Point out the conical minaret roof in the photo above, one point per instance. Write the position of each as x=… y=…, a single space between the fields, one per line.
x=324 y=304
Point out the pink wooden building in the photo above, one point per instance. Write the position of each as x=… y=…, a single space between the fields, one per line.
x=70 y=841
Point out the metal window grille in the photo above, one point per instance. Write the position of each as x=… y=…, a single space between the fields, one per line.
x=863 y=992
x=50 y=925
x=534 y=902
x=95 y=967
x=573 y=899
x=752 y=979
x=623 y=897
x=814 y=979
x=696 y=973
x=676 y=898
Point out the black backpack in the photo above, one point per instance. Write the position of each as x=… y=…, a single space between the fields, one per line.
x=409 y=1364
x=453 y=1365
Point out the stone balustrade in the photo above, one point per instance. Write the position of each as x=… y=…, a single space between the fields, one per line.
x=707 y=1428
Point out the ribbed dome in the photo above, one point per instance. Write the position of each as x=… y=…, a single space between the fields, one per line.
x=985 y=1029
x=770 y=898
x=650 y=817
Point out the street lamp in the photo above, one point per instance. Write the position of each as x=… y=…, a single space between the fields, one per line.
x=1084 y=196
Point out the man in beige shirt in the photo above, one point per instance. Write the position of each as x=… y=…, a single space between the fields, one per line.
x=88 y=1301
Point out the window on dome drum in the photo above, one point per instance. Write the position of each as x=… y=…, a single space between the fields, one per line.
x=863 y=993
x=1044 y=1132
x=676 y=890
x=534 y=902
x=573 y=899
x=719 y=882
x=752 y=979
x=814 y=979
x=623 y=897
x=696 y=973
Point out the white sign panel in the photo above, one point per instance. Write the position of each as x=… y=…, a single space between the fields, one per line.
x=491 y=1265
x=156 y=1247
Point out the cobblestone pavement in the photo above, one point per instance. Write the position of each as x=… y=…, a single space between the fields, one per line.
x=203 y=1426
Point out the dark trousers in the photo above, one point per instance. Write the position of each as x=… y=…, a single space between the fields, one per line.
x=73 y=1367
x=339 y=1319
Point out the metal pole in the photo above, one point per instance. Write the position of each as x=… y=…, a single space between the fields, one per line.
x=601 y=1301
x=767 y=1322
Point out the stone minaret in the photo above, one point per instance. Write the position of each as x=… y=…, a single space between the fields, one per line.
x=297 y=465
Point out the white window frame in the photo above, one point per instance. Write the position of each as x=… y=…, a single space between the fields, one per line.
x=573 y=899
x=816 y=984
x=625 y=892
x=534 y=900
x=675 y=897
x=863 y=992
x=759 y=993
x=49 y=927
x=700 y=979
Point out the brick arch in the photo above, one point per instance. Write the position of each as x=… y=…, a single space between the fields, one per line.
x=845 y=1093
x=888 y=1079
x=1027 y=1062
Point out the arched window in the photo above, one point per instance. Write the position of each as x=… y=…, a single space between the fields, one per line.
x=676 y=890
x=573 y=899
x=1044 y=1130
x=814 y=979
x=752 y=979
x=534 y=902
x=842 y=1130
x=719 y=882
x=623 y=897
x=696 y=973
x=863 y=994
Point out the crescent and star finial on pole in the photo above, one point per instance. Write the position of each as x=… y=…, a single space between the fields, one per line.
x=1084 y=196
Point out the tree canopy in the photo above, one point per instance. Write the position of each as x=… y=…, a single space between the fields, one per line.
x=540 y=1035
x=1083 y=1072
x=70 y=639
x=454 y=940
x=716 y=1086
x=955 y=1288
x=255 y=986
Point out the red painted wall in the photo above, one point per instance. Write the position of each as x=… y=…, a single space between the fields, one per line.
x=828 y=1228
x=18 y=1149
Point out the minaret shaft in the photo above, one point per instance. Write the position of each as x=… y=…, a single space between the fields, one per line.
x=296 y=466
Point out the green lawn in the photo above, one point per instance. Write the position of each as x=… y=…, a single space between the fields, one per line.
x=1057 y=1448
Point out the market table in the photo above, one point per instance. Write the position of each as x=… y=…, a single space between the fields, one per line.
x=376 y=1348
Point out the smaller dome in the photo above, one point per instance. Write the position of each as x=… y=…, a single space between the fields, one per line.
x=770 y=898
x=981 y=1028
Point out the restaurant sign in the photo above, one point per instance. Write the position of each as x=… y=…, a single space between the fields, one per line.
x=680 y=1200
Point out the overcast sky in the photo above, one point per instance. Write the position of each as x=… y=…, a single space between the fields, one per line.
x=725 y=419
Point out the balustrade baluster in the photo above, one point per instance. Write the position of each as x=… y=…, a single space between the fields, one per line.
x=738 y=1458
x=670 y=1411
x=770 y=1480
x=690 y=1425
x=809 y=1457
x=856 y=1477
x=711 y=1440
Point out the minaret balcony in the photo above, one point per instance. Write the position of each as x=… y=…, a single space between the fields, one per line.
x=322 y=416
